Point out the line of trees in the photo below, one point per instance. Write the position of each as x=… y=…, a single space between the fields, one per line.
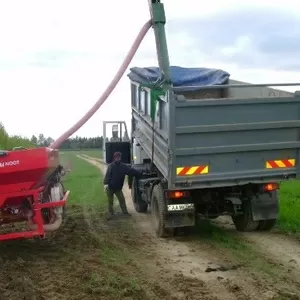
x=83 y=143
x=8 y=142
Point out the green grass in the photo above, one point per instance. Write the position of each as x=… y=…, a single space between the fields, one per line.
x=289 y=197
x=98 y=153
x=93 y=153
x=115 y=273
x=84 y=181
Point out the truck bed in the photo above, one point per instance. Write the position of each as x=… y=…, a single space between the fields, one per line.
x=235 y=141
x=227 y=137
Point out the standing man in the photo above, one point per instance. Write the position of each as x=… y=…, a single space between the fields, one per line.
x=114 y=181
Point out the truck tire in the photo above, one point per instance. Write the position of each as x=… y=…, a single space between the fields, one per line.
x=266 y=225
x=158 y=213
x=139 y=205
x=245 y=221
x=129 y=181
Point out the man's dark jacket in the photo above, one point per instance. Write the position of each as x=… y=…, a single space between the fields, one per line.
x=115 y=175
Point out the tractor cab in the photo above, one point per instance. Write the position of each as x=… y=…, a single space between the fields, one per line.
x=118 y=142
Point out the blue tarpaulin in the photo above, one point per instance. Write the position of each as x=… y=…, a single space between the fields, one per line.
x=184 y=79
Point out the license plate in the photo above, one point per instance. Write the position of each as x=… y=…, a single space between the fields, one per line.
x=177 y=207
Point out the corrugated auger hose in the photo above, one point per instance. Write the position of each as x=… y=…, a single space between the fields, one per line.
x=108 y=90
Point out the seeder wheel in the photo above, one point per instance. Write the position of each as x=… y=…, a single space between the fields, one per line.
x=48 y=213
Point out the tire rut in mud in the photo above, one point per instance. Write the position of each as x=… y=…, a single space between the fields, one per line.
x=77 y=262
x=274 y=246
x=44 y=269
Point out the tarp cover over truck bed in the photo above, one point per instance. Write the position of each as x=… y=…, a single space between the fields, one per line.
x=185 y=79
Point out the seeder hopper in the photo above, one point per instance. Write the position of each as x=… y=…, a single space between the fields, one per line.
x=31 y=192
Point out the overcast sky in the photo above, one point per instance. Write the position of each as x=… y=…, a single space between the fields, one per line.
x=56 y=57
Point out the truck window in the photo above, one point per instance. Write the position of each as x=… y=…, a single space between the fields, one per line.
x=133 y=95
x=147 y=103
x=138 y=98
x=142 y=101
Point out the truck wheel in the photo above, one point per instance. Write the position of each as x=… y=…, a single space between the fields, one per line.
x=129 y=181
x=139 y=205
x=245 y=221
x=158 y=213
x=266 y=225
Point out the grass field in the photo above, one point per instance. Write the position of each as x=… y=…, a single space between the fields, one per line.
x=83 y=175
x=114 y=277
x=289 y=196
x=97 y=153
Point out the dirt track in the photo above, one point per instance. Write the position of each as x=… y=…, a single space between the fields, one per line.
x=206 y=272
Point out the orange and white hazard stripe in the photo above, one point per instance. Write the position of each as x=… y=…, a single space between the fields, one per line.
x=194 y=170
x=281 y=163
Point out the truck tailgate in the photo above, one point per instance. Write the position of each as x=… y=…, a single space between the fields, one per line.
x=225 y=142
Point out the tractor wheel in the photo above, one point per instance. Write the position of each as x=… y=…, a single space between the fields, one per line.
x=139 y=205
x=266 y=225
x=158 y=213
x=245 y=221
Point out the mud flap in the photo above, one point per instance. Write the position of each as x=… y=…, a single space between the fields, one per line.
x=265 y=206
x=237 y=205
x=176 y=220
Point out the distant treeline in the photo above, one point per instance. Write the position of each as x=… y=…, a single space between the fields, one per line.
x=82 y=143
x=8 y=142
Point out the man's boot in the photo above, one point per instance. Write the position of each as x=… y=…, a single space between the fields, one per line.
x=110 y=215
x=126 y=213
